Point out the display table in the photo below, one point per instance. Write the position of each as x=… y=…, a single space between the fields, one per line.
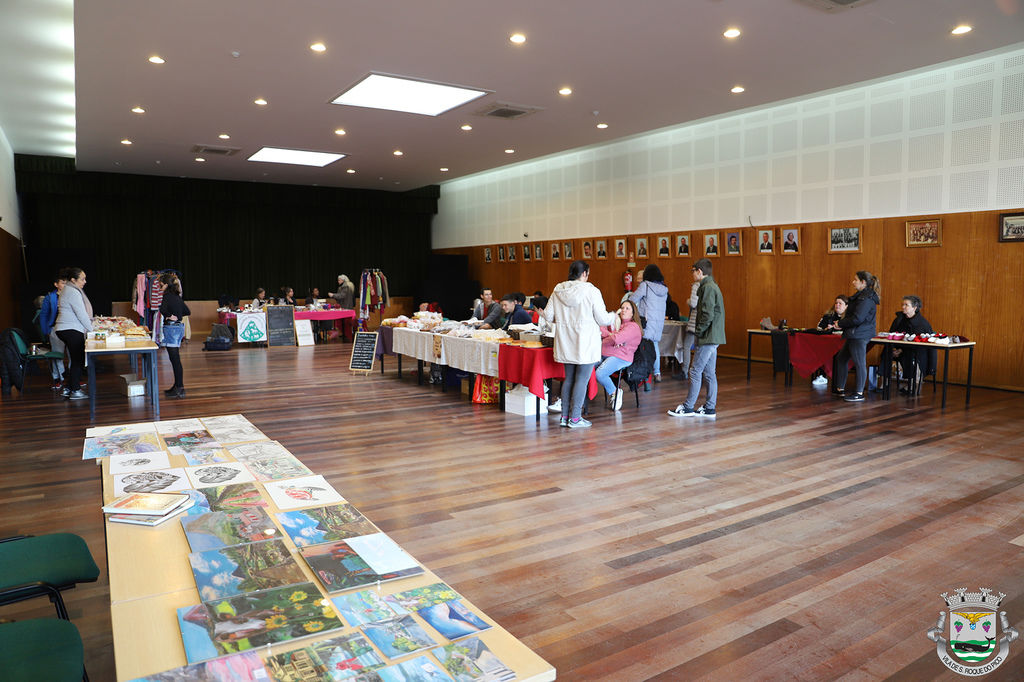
x=531 y=367
x=471 y=355
x=133 y=349
x=330 y=314
x=670 y=345
x=969 y=345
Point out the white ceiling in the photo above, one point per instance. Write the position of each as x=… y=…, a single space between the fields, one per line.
x=642 y=65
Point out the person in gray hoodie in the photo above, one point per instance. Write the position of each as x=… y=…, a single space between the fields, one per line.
x=74 y=321
x=577 y=309
x=650 y=298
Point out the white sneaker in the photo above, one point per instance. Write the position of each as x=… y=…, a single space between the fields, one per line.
x=820 y=381
x=618 y=400
x=555 y=406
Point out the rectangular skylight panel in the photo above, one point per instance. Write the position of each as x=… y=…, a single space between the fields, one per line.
x=403 y=94
x=296 y=157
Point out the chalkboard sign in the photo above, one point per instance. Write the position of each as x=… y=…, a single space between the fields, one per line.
x=364 y=349
x=281 y=325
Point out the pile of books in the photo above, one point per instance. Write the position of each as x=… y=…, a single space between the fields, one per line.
x=147 y=509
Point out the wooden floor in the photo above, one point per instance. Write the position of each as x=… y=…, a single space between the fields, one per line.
x=797 y=537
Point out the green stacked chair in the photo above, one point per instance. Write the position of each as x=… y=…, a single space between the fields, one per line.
x=44 y=649
x=40 y=566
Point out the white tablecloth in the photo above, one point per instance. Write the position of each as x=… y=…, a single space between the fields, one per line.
x=471 y=355
x=419 y=345
x=671 y=343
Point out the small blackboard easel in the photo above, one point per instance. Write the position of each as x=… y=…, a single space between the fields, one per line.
x=281 y=325
x=364 y=352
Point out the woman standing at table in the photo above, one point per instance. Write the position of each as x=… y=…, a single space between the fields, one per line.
x=617 y=349
x=173 y=310
x=858 y=325
x=577 y=309
x=74 y=321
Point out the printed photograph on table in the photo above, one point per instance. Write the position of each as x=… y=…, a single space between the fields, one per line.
x=324 y=524
x=179 y=425
x=232 y=428
x=664 y=246
x=844 y=239
x=924 y=233
x=398 y=636
x=602 y=249
x=218 y=474
x=256 y=619
x=366 y=606
x=230 y=571
x=420 y=597
x=711 y=244
x=588 y=250
x=567 y=251
x=207 y=456
x=538 y=252
x=382 y=553
x=226 y=498
x=1011 y=227
x=308 y=491
x=641 y=247
x=682 y=245
x=733 y=244
x=487 y=254
x=120 y=429
x=452 y=619
x=186 y=441
x=766 y=242
x=790 y=241
x=162 y=481
x=470 y=660
x=526 y=253
x=620 y=248
x=556 y=251
x=501 y=254
x=121 y=444
x=269 y=461
x=419 y=669
x=146 y=461
x=512 y=253
x=243 y=667
x=214 y=530
x=339 y=658
x=339 y=567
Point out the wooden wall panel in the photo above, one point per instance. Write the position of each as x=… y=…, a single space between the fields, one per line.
x=12 y=275
x=971 y=285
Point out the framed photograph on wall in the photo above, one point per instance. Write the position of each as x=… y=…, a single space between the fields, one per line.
x=487 y=254
x=588 y=250
x=538 y=252
x=844 y=239
x=526 y=253
x=501 y=254
x=620 y=248
x=682 y=245
x=663 y=245
x=924 y=233
x=733 y=244
x=556 y=251
x=790 y=241
x=512 y=253
x=602 y=249
x=766 y=242
x=567 y=253
x=1011 y=227
x=711 y=244
x=641 y=247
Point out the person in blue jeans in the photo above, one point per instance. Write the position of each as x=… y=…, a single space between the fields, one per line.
x=617 y=349
x=709 y=330
x=173 y=310
x=858 y=325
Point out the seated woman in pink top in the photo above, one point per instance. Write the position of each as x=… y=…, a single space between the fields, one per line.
x=617 y=348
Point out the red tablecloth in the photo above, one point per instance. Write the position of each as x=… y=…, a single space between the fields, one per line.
x=332 y=314
x=531 y=366
x=809 y=352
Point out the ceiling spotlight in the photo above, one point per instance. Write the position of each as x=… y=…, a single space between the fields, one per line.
x=443 y=169
x=962 y=29
x=156 y=59
x=565 y=91
x=224 y=136
x=318 y=47
x=732 y=33
x=737 y=89
x=602 y=126
x=260 y=101
x=397 y=152
x=138 y=110
x=510 y=151
x=200 y=159
x=517 y=38
x=466 y=126
x=126 y=141
x=351 y=170
x=339 y=131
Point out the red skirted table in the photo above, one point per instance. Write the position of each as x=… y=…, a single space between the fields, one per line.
x=530 y=367
x=331 y=314
x=810 y=352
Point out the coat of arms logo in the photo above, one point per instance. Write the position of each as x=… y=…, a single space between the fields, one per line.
x=974 y=646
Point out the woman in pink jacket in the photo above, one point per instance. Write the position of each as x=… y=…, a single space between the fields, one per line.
x=617 y=348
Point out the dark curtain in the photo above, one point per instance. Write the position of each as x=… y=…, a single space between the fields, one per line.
x=224 y=237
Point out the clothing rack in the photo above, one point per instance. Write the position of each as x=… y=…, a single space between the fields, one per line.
x=373 y=295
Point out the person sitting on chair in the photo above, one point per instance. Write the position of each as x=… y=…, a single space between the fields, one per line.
x=513 y=309
x=909 y=320
x=617 y=349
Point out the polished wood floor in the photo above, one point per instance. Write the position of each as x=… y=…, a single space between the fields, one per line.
x=796 y=537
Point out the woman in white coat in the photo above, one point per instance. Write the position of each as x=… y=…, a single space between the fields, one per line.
x=577 y=309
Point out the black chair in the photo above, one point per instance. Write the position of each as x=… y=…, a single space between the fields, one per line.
x=44 y=566
x=638 y=371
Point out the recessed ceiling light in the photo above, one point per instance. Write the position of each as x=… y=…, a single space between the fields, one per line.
x=156 y=59
x=443 y=169
x=737 y=89
x=565 y=91
x=298 y=157
x=351 y=170
x=318 y=47
x=138 y=110
x=466 y=126
x=260 y=101
x=200 y=159
x=962 y=29
x=732 y=33
x=224 y=136
x=126 y=141
x=397 y=152
x=404 y=94
x=510 y=151
x=602 y=126
x=517 y=38
x=339 y=131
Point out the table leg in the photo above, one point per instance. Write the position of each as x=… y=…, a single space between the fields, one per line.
x=151 y=372
x=444 y=378
x=501 y=394
x=749 y=338
x=537 y=413
x=887 y=374
x=419 y=372
x=970 y=368
x=945 y=377
x=92 y=390
x=382 y=365
x=399 y=357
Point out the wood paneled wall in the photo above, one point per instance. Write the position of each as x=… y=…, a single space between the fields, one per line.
x=12 y=276
x=972 y=284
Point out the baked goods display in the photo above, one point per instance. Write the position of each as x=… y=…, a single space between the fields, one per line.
x=119 y=325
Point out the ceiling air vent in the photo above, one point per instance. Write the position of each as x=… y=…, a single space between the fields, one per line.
x=215 y=150
x=506 y=111
x=832 y=5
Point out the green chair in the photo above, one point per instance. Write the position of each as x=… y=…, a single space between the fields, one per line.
x=42 y=649
x=44 y=566
x=26 y=357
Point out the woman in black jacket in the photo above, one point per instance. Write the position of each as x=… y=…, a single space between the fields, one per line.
x=173 y=310
x=858 y=325
x=913 y=361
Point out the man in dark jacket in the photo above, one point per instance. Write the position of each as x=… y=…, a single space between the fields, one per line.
x=514 y=313
x=709 y=331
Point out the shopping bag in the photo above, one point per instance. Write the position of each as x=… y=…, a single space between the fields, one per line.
x=485 y=389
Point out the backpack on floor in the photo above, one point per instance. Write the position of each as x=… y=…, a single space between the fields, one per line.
x=217 y=343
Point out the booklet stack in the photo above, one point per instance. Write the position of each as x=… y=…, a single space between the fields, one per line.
x=147 y=509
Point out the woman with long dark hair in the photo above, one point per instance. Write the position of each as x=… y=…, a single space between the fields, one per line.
x=173 y=310
x=74 y=321
x=577 y=309
x=650 y=298
x=858 y=325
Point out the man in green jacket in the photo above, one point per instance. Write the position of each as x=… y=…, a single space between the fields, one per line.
x=710 y=334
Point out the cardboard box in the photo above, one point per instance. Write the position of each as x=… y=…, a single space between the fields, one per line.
x=520 y=401
x=467 y=385
x=132 y=385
